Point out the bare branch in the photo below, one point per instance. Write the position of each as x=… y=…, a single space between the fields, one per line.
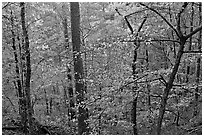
x=135 y=12
x=118 y=12
x=126 y=20
x=145 y=18
x=170 y=25
x=129 y=26
x=151 y=80
x=153 y=40
x=192 y=51
x=193 y=32
x=132 y=82
x=175 y=113
x=7 y=4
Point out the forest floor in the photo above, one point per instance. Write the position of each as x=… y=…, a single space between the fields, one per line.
x=14 y=127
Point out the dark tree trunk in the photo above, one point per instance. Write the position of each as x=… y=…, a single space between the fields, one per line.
x=134 y=73
x=46 y=102
x=134 y=104
x=169 y=84
x=78 y=68
x=18 y=80
x=148 y=85
x=22 y=99
x=50 y=105
x=28 y=68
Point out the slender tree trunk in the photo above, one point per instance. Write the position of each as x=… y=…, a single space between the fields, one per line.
x=71 y=113
x=172 y=32
x=134 y=104
x=20 y=94
x=50 y=105
x=190 y=44
x=66 y=99
x=19 y=88
x=78 y=68
x=198 y=66
x=169 y=85
x=148 y=91
x=134 y=73
x=28 y=68
x=22 y=99
x=148 y=85
x=46 y=102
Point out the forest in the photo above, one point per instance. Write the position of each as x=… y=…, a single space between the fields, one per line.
x=101 y=68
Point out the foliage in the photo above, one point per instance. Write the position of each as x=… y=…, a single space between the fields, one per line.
x=107 y=49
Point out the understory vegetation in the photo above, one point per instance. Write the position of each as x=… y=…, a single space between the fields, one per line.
x=102 y=68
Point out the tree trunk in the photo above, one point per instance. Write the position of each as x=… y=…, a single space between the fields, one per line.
x=198 y=67
x=148 y=85
x=78 y=68
x=134 y=104
x=172 y=32
x=19 y=87
x=46 y=103
x=22 y=99
x=28 y=68
x=169 y=85
x=134 y=73
x=71 y=113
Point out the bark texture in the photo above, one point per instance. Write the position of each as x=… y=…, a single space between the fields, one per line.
x=78 y=68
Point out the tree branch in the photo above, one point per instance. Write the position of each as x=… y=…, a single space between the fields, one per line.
x=135 y=12
x=153 y=40
x=126 y=20
x=129 y=26
x=192 y=51
x=175 y=113
x=132 y=82
x=7 y=4
x=193 y=32
x=151 y=80
x=145 y=18
x=118 y=12
x=170 y=25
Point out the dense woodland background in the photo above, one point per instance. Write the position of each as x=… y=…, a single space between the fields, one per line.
x=101 y=68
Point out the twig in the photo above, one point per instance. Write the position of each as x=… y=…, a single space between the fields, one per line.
x=192 y=51
x=136 y=12
x=153 y=40
x=118 y=12
x=174 y=113
x=193 y=32
x=170 y=25
x=151 y=80
x=163 y=80
x=7 y=4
